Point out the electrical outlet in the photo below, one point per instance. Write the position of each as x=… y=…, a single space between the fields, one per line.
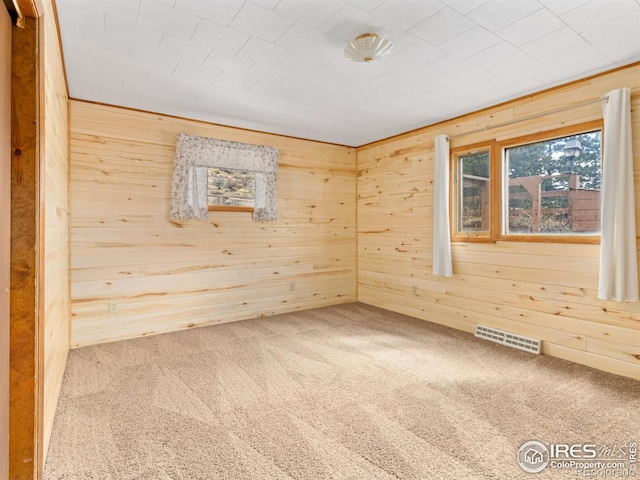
x=113 y=307
x=415 y=290
x=292 y=286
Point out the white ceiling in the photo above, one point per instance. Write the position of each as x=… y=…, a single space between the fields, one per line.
x=278 y=65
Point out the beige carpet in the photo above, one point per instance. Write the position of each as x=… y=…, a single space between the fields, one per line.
x=344 y=392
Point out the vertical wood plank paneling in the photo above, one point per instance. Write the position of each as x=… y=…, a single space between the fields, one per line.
x=5 y=227
x=56 y=304
x=160 y=275
x=544 y=290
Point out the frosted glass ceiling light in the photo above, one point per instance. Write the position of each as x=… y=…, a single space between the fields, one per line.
x=367 y=47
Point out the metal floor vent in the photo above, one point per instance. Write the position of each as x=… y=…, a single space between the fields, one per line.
x=509 y=339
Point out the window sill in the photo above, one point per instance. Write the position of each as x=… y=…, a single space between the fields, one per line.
x=229 y=208
x=471 y=238
x=587 y=239
x=576 y=239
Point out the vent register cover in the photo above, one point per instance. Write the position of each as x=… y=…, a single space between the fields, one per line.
x=509 y=339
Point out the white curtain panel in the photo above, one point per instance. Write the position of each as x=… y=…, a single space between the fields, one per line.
x=442 y=265
x=618 y=259
x=194 y=155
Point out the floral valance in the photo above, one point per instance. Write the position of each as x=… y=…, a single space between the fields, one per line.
x=195 y=154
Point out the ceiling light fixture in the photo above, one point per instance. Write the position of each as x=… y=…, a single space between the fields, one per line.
x=367 y=47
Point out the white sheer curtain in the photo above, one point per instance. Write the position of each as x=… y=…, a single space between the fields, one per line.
x=618 y=259
x=442 y=265
x=194 y=155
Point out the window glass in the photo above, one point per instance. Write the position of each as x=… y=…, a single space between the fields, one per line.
x=552 y=187
x=230 y=188
x=474 y=193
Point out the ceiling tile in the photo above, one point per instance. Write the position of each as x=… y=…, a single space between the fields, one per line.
x=309 y=12
x=471 y=42
x=168 y=20
x=166 y=84
x=350 y=22
x=234 y=81
x=442 y=26
x=406 y=14
x=559 y=7
x=86 y=90
x=125 y=10
x=87 y=22
x=536 y=25
x=270 y=4
x=302 y=64
x=464 y=6
x=598 y=12
x=263 y=52
x=617 y=39
x=190 y=95
x=571 y=61
x=366 y=5
x=195 y=72
x=262 y=71
x=310 y=42
x=163 y=63
x=208 y=93
x=228 y=63
x=366 y=74
x=177 y=47
x=197 y=91
x=220 y=11
x=119 y=36
x=446 y=66
x=135 y=76
x=495 y=55
x=420 y=89
x=468 y=77
x=87 y=58
x=516 y=78
x=398 y=38
x=400 y=76
x=219 y=37
x=552 y=43
x=113 y=74
x=497 y=14
x=278 y=84
x=338 y=74
x=419 y=54
x=261 y=22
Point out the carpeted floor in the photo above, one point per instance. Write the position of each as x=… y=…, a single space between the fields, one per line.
x=344 y=392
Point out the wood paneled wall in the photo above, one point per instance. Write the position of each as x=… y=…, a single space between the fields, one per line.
x=545 y=290
x=160 y=275
x=55 y=196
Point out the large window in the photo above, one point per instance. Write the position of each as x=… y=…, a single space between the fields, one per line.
x=543 y=187
x=552 y=187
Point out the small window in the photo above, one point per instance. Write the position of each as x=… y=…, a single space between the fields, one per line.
x=231 y=189
x=472 y=193
x=552 y=187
